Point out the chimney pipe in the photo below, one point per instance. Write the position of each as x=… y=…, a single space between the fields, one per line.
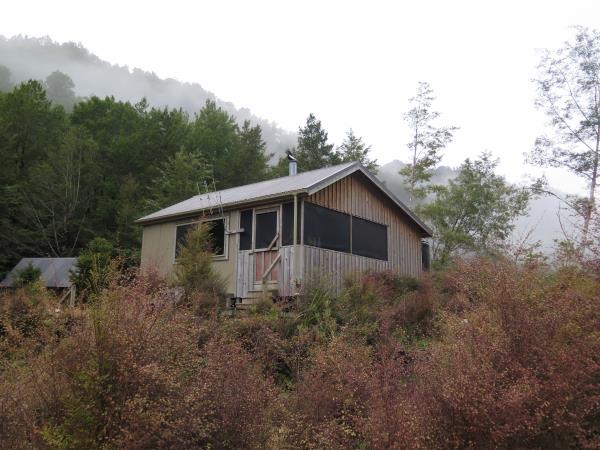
x=293 y=164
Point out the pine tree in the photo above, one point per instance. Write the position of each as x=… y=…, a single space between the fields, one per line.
x=5 y=79
x=182 y=176
x=60 y=90
x=252 y=159
x=214 y=135
x=354 y=149
x=313 y=151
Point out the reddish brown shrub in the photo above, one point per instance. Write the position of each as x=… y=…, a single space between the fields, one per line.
x=132 y=375
x=395 y=416
x=331 y=392
x=517 y=365
x=488 y=355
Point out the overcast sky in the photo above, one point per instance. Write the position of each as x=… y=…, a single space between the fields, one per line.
x=353 y=64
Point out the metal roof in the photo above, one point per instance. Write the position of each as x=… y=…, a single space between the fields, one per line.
x=55 y=271
x=303 y=183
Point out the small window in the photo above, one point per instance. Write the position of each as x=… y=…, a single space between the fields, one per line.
x=217 y=234
x=266 y=229
x=326 y=228
x=246 y=225
x=425 y=255
x=369 y=239
x=287 y=223
x=182 y=231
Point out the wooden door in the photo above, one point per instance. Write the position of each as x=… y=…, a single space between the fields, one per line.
x=266 y=247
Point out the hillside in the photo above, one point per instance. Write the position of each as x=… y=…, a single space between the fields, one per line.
x=36 y=58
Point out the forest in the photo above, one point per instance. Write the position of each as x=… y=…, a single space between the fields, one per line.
x=496 y=347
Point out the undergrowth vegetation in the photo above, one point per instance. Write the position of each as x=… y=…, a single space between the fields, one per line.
x=486 y=354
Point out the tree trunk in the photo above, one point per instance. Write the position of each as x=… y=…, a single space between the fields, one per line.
x=591 y=206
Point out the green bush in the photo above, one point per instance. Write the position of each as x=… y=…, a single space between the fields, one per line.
x=94 y=265
x=202 y=286
x=27 y=275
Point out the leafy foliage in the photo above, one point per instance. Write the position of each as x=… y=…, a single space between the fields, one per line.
x=487 y=354
x=475 y=212
x=354 y=149
x=28 y=275
x=5 y=79
x=182 y=176
x=194 y=272
x=428 y=141
x=94 y=267
x=60 y=90
x=69 y=178
x=313 y=150
x=569 y=93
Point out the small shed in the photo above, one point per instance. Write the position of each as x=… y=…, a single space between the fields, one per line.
x=333 y=223
x=55 y=274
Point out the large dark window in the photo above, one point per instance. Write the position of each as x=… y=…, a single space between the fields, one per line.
x=369 y=239
x=266 y=229
x=326 y=228
x=246 y=225
x=217 y=236
x=287 y=223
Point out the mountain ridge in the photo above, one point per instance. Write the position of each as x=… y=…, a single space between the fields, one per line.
x=36 y=58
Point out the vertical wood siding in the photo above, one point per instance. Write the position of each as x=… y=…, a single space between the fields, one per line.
x=355 y=195
x=247 y=263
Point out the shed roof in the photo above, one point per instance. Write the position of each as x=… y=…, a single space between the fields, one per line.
x=302 y=183
x=55 y=271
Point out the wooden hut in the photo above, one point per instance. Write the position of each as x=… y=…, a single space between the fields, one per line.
x=332 y=223
x=55 y=274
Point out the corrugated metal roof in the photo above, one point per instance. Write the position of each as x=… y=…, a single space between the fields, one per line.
x=55 y=271
x=305 y=182
x=248 y=193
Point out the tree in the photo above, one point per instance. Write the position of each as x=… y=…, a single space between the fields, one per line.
x=181 y=176
x=475 y=212
x=427 y=143
x=29 y=127
x=5 y=79
x=60 y=90
x=195 y=272
x=128 y=236
x=252 y=160
x=281 y=169
x=118 y=130
x=214 y=136
x=56 y=198
x=27 y=275
x=163 y=133
x=568 y=91
x=94 y=266
x=313 y=151
x=354 y=149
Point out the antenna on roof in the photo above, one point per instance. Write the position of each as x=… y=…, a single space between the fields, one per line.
x=214 y=202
